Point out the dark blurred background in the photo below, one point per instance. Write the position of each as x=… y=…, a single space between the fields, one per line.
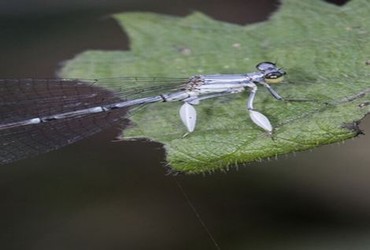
x=99 y=194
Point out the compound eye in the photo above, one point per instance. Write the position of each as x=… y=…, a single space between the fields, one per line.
x=274 y=77
x=263 y=66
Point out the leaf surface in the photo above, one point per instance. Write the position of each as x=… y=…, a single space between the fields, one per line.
x=325 y=50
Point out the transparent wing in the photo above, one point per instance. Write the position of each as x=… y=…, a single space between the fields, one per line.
x=22 y=99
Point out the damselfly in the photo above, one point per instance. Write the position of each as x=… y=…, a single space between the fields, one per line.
x=41 y=115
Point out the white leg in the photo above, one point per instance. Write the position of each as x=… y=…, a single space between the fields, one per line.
x=188 y=116
x=252 y=94
x=258 y=118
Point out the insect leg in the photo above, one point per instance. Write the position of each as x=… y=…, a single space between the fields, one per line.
x=258 y=118
x=272 y=91
x=188 y=116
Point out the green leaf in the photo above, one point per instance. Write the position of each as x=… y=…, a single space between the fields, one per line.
x=323 y=47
